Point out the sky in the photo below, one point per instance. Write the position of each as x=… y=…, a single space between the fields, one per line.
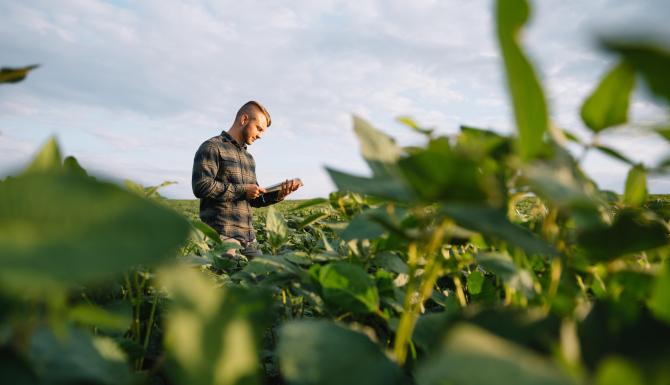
x=132 y=88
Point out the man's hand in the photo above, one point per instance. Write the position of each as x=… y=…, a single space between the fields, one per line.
x=253 y=191
x=287 y=187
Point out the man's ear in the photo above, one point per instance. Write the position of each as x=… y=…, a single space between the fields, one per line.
x=244 y=118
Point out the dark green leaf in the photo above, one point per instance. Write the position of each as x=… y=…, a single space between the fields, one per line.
x=391 y=262
x=613 y=153
x=379 y=150
x=15 y=370
x=473 y=356
x=659 y=302
x=528 y=98
x=66 y=229
x=361 y=227
x=77 y=358
x=493 y=222
x=631 y=232
x=502 y=266
x=71 y=166
x=607 y=106
x=348 y=288
x=311 y=219
x=636 y=187
x=388 y=187
x=209 y=232
x=323 y=353
x=98 y=317
x=649 y=60
x=15 y=75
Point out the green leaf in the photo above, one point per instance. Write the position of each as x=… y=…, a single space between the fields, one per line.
x=618 y=371
x=362 y=227
x=60 y=229
x=275 y=225
x=493 y=222
x=98 y=317
x=71 y=166
x=209 y=232
x=383 y=187
x=378 y=149
x=311 y=219
x=613 y=153
x=649 y=60
x=309 y=203
x=324 y=353
x=635 y=194
x=347 y=287
x=15 y=75
x=502 y=266
x=409 y=122
x=664 y=132
x=76 y=358
x=530 y=108
x=631 y=232
x=391 y=262
x=473 y=356
x=607 y=106
x=47 y=159
x=212 y=335
x=475 y=281
x=659 y=303
x=15 y=370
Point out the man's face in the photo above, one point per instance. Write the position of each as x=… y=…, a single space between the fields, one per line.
x=255 y=127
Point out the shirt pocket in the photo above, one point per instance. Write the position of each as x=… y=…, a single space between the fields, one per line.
x=230 y=166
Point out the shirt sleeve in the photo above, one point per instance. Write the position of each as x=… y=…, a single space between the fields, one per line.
x=203 y=179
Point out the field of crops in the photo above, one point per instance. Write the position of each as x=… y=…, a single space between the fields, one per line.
x=475 y=259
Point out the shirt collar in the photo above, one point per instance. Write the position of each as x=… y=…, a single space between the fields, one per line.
x=226 y=136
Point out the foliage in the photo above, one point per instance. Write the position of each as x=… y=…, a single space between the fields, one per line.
x=481 y=258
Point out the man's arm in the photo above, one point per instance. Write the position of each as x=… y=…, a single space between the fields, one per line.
x=287 y=187
x=203 y=178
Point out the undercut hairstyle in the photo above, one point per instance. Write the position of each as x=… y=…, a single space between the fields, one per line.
x=251 y=106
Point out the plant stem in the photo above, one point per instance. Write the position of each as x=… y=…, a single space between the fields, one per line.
x=147 y=333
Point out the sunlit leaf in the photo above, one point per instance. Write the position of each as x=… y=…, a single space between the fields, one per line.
x=347 y=287
x=209 y=232
x=47 y=159
x=324 y=353
x=409 y=122
x=635 y=193
x=618 y=371
x=309 y=203
x=659 y=302
x=475 y=281
x=67 y=229
x=607 y=106
x=311 y=219
x=528 y=99
x=212 y=336
x=276 y=227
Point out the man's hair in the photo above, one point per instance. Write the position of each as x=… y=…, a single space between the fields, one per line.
x=250 y=106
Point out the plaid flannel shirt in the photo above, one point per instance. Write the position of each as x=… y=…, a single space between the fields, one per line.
x=221 y=168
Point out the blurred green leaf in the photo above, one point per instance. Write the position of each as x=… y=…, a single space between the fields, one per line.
x=503 y=267
x=378 y=149
x=47 y=159
x=76 y=358
x=311 y=219
x=391 y=262
x=324 y=353
x=409 y=122
x=384 y=187
x=277 y=230
x=65 y=229
x=649 y=60
x=347 y=287
x=475 y=281
x=209 y=232
x=15 y=370
x=635 y=193
x=607 y=106
x=618 y=371
x=664 y=132
x=473 y=356
x=659 y=303
x=96 y=316
x=493 y=222
x=613 y=153
x=631 y=232
x=71 y=166
x=309 y=203
x=15 y=75
x=362 y=227
x=212 y=336
x=528 y=98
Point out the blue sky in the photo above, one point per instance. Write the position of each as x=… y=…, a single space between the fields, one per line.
x=132 y=88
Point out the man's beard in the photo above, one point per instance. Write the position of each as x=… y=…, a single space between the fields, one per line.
x=246 y=137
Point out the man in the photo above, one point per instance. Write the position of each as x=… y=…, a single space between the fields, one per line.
x=224 y=178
